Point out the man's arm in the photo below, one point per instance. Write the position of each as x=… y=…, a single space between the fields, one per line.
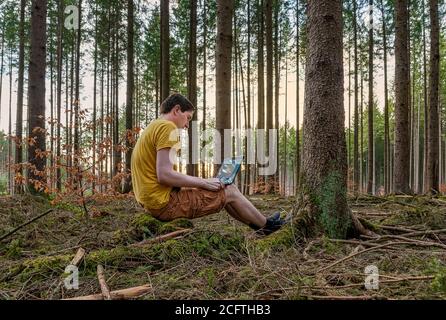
x=169 y=177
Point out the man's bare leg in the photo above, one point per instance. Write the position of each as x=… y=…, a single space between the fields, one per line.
x=242 y=209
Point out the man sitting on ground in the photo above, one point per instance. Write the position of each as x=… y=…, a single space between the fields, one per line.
x=167 y=194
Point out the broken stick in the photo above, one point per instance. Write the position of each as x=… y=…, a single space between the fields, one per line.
x=123 y=294
x=104 y=287
x=164 y=237
x=78 y=257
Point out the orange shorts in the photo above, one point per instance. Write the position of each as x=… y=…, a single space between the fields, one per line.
x=190 y=203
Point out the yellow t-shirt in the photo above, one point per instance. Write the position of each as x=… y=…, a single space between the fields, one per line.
x=158 y=135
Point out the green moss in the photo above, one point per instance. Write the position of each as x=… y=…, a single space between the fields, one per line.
x=146 y=224
x=13 y=249
x=279 y=240
x=175 y=225
x=209 y=275
x=330 y=198
x=438 y=269
x=121 y=237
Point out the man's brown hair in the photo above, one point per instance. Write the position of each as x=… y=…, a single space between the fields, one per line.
x=176 y=99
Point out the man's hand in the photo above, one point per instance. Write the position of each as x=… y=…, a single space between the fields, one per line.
x=212 y=184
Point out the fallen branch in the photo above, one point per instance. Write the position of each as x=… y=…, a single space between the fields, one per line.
x=353 y=285
x=161 y=238
x=122 y=294
x=104 y=287
x=78 y=257
x=343 y=297
x=360 y=252
x=427 y=243
x=25 y=224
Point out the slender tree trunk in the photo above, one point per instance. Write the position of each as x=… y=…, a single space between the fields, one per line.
x=93 y=185
x=386 y=106
x=260 y=85
x=2 y=65
x=269 y=85
x=77 y=122
x=356 y=170
x=401 y=165
x=192 y=167
x=20 y=83
x=10 y=162
x=248 y=84
x=433 y=129
x=277 y=57
x=165 y=63
x=59 y=92
x=36 y=96
x=203 y=168
x=371 y=158
x=297 y=174
x=130 y=93
x=117 y=153
x=51 y=67
x=426 y=117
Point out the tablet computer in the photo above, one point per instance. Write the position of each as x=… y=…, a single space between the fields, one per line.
x=229 y=170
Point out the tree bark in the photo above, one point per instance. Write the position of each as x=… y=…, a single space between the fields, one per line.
x=433 y=129
x=223 y=70
x=192 y=167
x=20 y=82
x=401 y=163
x=324 y=172
x=297 y=174
x=165 y=55
x=386 y=107
x=130 y=93
x=371 y=157
x=36 y=97
x=59 y=92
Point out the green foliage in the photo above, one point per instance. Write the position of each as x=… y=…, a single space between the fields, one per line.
x=439 y=270
x=13 y=249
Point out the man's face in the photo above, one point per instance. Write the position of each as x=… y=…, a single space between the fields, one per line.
x=182 y=119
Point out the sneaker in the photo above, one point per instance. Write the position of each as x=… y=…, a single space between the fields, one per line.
x=271 y=226
x=275 y=216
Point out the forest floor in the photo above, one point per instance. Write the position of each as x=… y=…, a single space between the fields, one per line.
x=220 y=258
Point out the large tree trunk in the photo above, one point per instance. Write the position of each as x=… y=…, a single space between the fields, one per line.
x=401 y=164
x=433 y=129
x=192 y=167
x=165 y=40
x=36 y=97
x=19 y=116
x=223 y=69
x=324 y=171
x=130 y=93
